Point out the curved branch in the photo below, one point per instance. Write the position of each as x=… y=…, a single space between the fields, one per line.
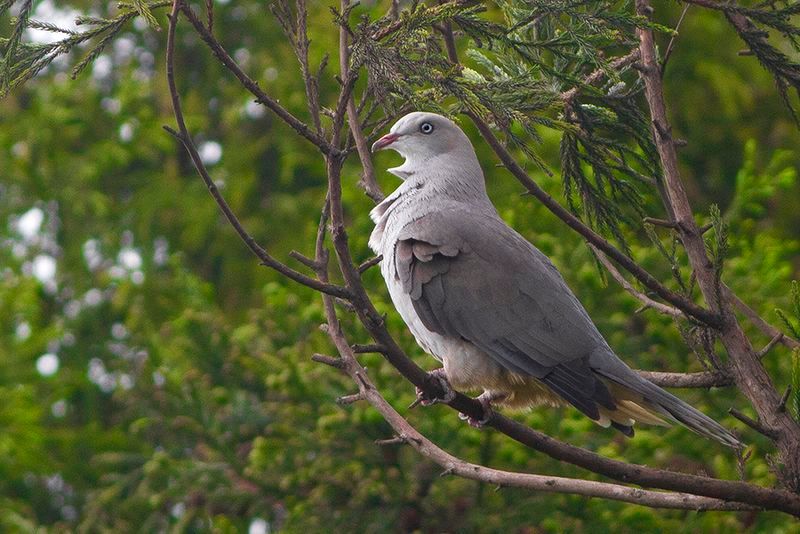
x=185 y=138
x=248 y=83
x=753 y=316
x=647 y=301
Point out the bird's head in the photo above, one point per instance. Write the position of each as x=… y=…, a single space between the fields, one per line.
x=420 y=136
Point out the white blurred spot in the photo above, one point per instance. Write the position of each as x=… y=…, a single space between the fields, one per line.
x=270 y=74
x=118 y=331
x=210 y=152
x=161 y=251
x=29 y=224
x=137 y=277
x=126 y=132
x=23 y=331
x=242 y=56
x=44 y=268
x=158 y=379
x=47 y=364
x=72 y=309
x=129 y=258
x=97 y=370
x=123 y=47
x=125 y=381
x=258 y=526
x=93 y=297
x=253 y=109
x=178 y=510
x=111 y=105
x=20 y=149
x=59 y=408
x=101 y=67
x=117 y=272
x=91 y=254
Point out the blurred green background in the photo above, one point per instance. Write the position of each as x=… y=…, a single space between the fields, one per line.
x=153 y=377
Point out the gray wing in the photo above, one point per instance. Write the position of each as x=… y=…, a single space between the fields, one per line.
x=470 y=276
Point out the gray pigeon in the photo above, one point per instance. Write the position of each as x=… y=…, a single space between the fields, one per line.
x=489 y=305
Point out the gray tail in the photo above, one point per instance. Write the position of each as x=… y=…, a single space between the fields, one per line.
x=693 y=419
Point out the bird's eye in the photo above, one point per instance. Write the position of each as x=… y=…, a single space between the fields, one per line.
x=426 y=127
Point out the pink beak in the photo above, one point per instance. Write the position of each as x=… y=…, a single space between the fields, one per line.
x=384 y=141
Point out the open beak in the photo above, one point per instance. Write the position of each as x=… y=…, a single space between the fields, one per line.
x=384 y=141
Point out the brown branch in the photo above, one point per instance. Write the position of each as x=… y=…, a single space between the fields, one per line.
x=368 y=182
x=753 y=316
x=647 y=301
x=703 y=379
x=301 y=43
x=263 y=98
x=671 y=45
x=746 y=368
x=185 y=138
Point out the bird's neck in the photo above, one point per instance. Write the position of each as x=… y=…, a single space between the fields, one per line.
x=451 y=176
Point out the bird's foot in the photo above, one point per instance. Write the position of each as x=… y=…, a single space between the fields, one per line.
x=486 y=398
x=449 y=394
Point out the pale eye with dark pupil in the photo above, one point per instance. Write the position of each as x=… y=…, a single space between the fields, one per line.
x=426 y=127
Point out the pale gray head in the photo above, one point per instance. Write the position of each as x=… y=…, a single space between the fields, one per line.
x=420 y=136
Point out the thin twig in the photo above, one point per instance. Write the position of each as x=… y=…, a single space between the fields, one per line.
x=368 y=182
x=671 y=45
x=752 y=423
x=758 y=321
x=768 y=347
x=375 y=260
x=620 y=63
x=647 y=301
x=185 y=138
x=263 y=98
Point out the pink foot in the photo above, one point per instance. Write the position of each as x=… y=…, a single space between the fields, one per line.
x=486 y=398
x=449 y=394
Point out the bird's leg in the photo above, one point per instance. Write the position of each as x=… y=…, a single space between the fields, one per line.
x=486 y=399
x=449 y=394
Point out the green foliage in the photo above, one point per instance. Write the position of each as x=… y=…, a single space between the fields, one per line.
x=184 y=397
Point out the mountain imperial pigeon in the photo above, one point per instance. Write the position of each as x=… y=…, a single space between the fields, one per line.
x=489 y=305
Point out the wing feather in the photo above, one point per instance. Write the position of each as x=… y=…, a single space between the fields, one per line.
x=470 y=276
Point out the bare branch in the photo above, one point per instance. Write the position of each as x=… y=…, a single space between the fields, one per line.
x=703 y=379
x=758 y=321
x=368 y=182
x=752 y=423
x=647 y=301
x=185 y=138
x=263 y=98
x=375 y=260
x=671 y=45
x=768 y=347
